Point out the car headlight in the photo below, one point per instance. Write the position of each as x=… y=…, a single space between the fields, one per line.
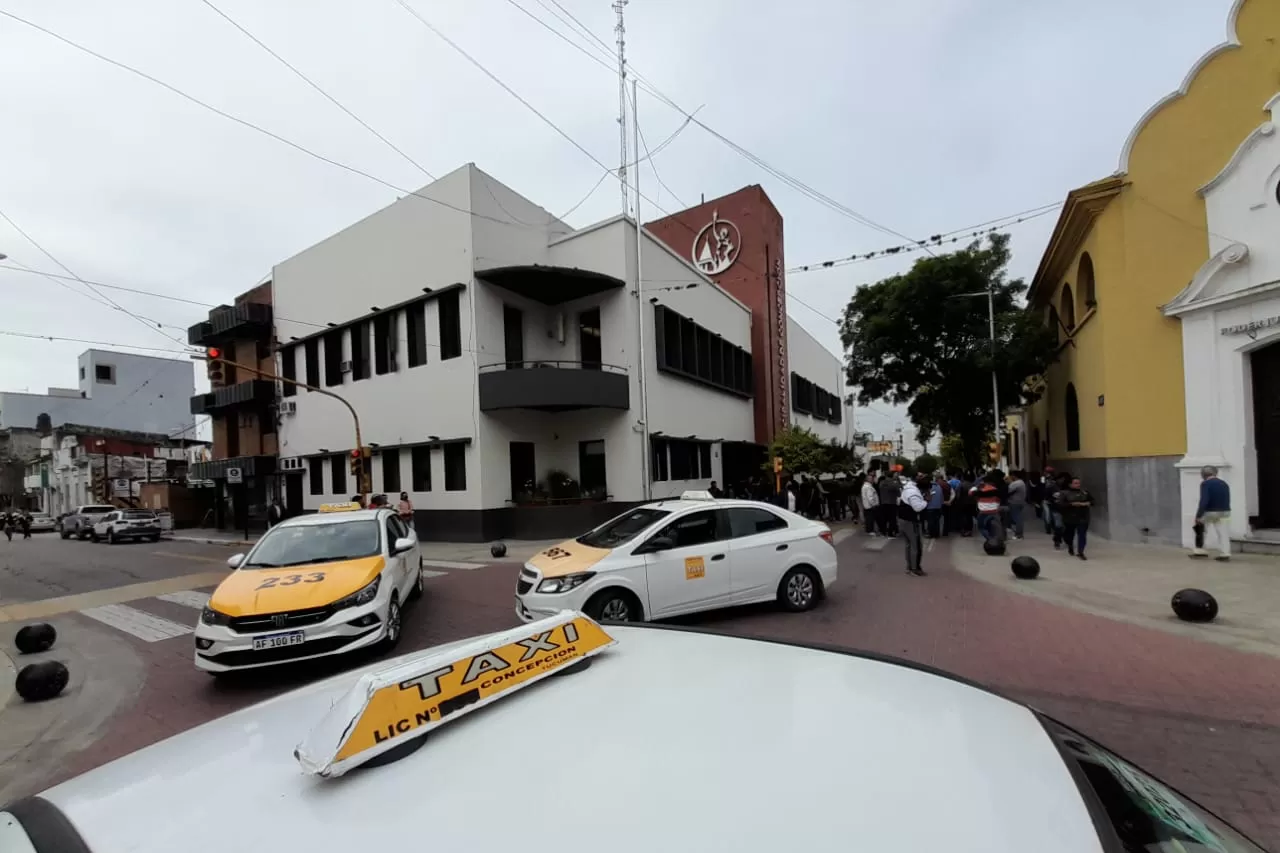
x=209 y=616
x=566 y=583
x=364 y=596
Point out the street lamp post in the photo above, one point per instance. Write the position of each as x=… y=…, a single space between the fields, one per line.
x=995 y=385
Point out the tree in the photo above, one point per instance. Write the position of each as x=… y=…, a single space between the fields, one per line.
x=951 y=452
x=922 y=338
x=800 y=449
x=926 y=463
x=841 y=457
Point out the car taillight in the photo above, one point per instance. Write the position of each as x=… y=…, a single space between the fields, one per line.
x=826 y=537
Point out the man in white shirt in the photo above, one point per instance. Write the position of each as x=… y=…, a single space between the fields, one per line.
x=870 y=504
x=911 y=509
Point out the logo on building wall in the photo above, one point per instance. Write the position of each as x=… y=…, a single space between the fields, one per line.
x=717 y=245
x=784 y=412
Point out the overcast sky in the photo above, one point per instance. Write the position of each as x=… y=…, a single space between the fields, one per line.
x=925 y=116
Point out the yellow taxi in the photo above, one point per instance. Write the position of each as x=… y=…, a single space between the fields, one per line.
x=312 y=586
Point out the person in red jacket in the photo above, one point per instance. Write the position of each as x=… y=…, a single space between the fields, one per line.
x=987 y=496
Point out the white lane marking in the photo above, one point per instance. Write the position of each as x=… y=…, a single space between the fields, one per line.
x=448 y=564
x=929 y=547
x=877 y=544
x=187 y=598
x=841 y=535
x=427 y=573
x=139 y=623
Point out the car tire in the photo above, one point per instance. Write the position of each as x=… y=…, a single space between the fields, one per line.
x=614 y=605
x=81 y=535
x=416 y=592
x=111 y=536
x=800 y=589
x=394 y=623
x=155 y=538
x=93 y=536
x=64 y=534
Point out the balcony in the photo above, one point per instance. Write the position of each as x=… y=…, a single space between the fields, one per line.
x=216 y=469
x=246 y=321
x=550 y=285
x=553 y=386
x=253 y=392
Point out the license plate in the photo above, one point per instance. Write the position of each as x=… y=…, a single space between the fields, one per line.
x=275 y=641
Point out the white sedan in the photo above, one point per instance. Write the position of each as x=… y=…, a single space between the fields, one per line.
x=673 y=557
x=651 y=737
x=42 y=522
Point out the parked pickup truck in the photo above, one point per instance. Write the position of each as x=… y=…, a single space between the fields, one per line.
x=80 y=523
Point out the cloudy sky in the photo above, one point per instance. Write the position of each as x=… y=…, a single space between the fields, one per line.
x=924 y=116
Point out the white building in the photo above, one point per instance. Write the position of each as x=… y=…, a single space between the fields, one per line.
x=122 y=391
x=494 y=356
x=1230 y=315
x=817 y=387
x=68 y=472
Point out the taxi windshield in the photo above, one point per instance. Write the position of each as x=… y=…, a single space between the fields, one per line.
x=622 y=529
x=304 y=544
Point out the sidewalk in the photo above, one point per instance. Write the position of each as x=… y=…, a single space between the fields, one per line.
x=1134 y=583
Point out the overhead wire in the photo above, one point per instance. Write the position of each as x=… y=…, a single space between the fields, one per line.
x=317 y=87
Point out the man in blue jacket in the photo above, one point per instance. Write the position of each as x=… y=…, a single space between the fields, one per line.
x=1214 y=512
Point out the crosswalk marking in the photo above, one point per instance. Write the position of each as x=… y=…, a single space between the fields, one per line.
x=187 y=598
x=427 y=573
x=138 y=623
x=878 y=544
x=448 y=564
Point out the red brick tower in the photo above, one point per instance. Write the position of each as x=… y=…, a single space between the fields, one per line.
x=737 y=241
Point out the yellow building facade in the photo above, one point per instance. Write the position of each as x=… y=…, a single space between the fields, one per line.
x=1113 y=410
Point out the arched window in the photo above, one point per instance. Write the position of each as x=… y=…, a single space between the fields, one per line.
x=1084 y=281
x=1068 y=308
x=1055 y=324
x=1072 y=412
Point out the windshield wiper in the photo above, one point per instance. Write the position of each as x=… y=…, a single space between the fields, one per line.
x=260 y=566
x=314 y=560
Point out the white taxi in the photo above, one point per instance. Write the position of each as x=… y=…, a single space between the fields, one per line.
x=312 y=586
x=722 y=738
x=673 y=557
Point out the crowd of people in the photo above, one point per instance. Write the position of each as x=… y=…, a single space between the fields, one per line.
x=14 y=520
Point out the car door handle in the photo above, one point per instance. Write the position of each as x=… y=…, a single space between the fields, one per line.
x=717 y=557
x=781 y=547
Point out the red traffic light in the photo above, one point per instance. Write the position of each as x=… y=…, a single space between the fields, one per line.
x=355 y=454
x=214 y=352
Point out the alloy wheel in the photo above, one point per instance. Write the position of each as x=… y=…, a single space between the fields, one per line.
x=800 y=590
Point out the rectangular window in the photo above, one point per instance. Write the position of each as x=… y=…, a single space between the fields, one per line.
x=315 y=467
x=688 y=346
x=455 y=467
x=590 y=349
x=704 y=461
x=513 y=336
x=360 y=351
x=416 y=323
x=288 y=370
x=338 y=470
x=715 y=352
x=82 y=371
x=658 y=460
x=592 y=468
x=683 y=460
x=384 y=343
x=671 y=332
x=391 y=470
x=104 y=373
x=311 y=351
x=421 y=460
x=450 y=326
x=333 y=357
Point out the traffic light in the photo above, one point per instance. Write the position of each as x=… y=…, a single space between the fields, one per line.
x=216 y=375
x=360 y=469
x=357 y=464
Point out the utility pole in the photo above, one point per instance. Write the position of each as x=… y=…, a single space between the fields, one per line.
x=995 y=385
x=621 y=30
x=647 y=487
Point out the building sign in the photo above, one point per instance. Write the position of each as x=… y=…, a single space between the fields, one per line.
x=885 y=447
x=1253 y=327
x=235 y=475
x=780 y=319
x=717 y=245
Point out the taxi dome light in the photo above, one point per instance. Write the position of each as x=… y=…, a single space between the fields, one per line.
x=697 y=495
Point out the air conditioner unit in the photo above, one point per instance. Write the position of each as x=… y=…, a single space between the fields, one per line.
x=288 y=407
x=345 y=367
x=291 y=463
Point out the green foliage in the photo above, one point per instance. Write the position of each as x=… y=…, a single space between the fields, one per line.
x=841 y=457
x=908 y=470
x=951 y=453
x=920 y=339
x=801 y=450
x=926 y=463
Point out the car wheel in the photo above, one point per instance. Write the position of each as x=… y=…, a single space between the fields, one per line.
x=64 y=534
x=154 y=538
x=614 y=605
x=416 y=592
x=83 y=534
x=800 y=589
x=392 y=637
x=111 y=536
x=93 y=536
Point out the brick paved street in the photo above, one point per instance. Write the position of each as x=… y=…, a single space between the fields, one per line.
x=1202 y=716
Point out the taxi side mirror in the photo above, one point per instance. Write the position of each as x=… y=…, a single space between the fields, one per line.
x=235 y=560
x=404 y=543
x=658 y=543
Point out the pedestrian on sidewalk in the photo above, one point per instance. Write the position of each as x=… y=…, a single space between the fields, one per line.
x=1017 y=503
x=910 y=511
x=8 y=526
x=1053 y=487
x=275 y=513
x=890 y=489
x=1213 y=514
x=1049 y=499
x=986 y=496
x=962 y=507
x=1074 y=503
x=25 y=522
x=870 y=504
x=937 y=503
x=404 y=509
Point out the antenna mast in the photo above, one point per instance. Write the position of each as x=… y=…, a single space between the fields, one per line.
x=621 y=30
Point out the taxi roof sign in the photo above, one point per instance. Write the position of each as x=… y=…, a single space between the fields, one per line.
x=389 y=707
x=697 y=495
x=346 y=506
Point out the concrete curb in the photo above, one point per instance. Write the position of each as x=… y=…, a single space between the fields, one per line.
x=199 y=540
x=8 y=674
